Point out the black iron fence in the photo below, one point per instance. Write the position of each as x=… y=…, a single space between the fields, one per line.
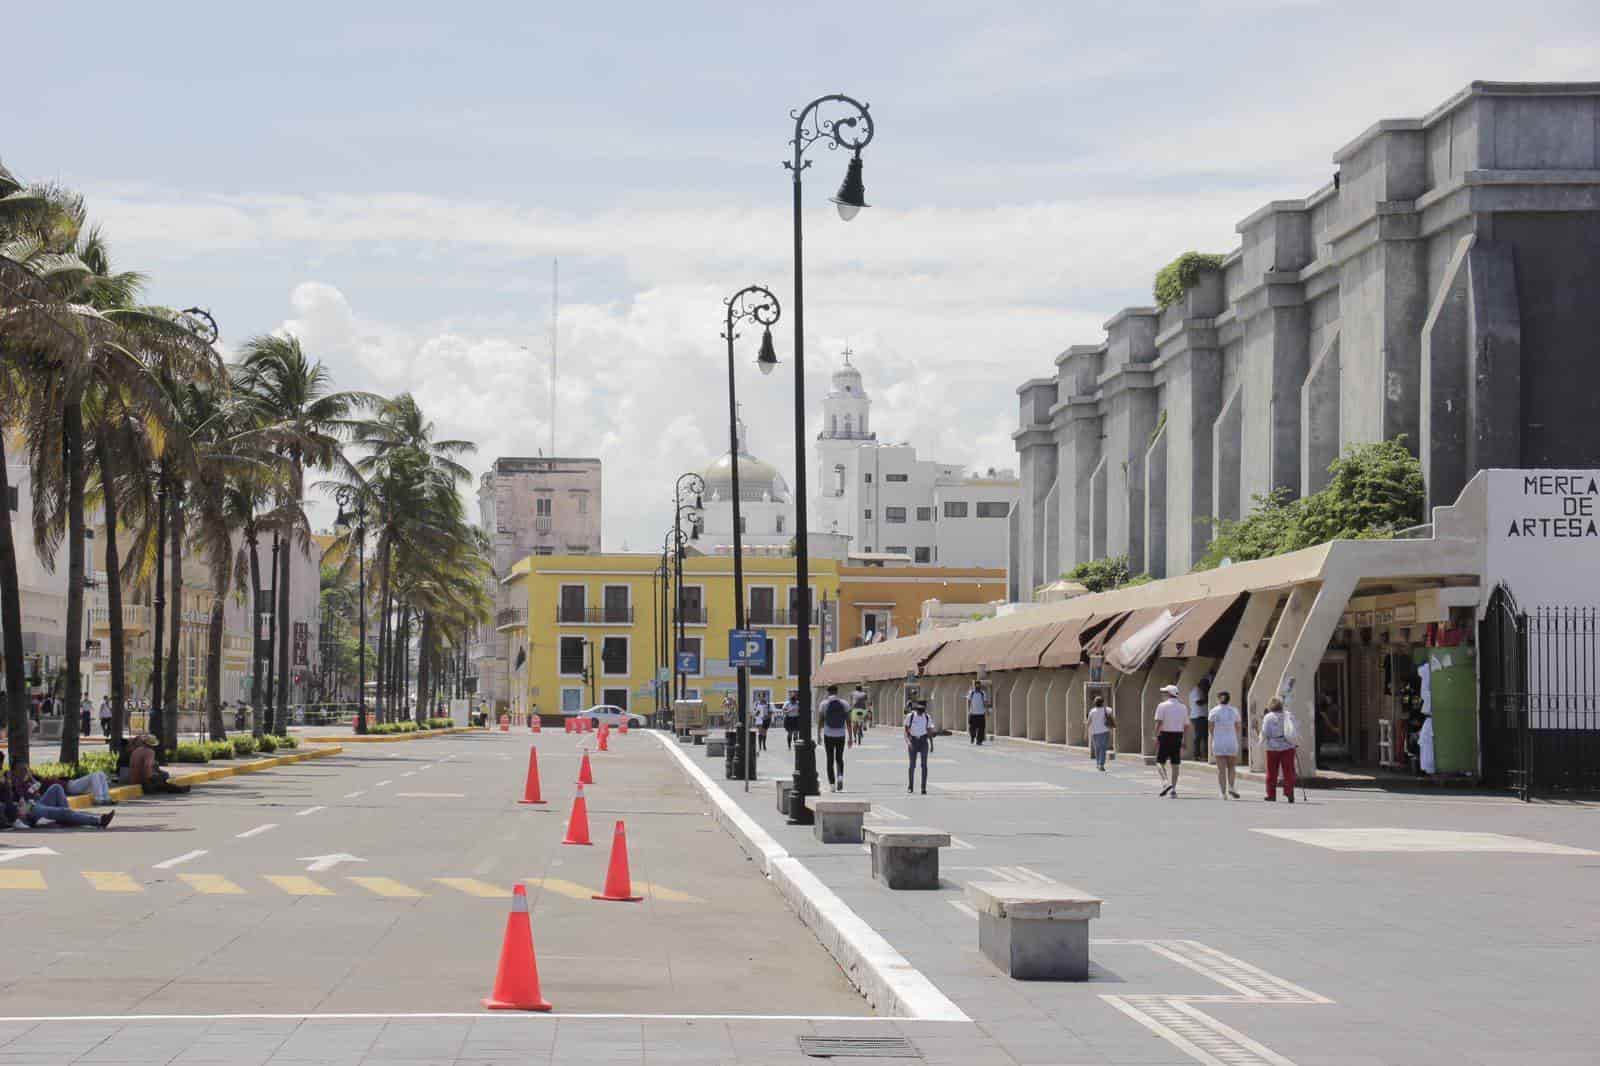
x=1540 y=697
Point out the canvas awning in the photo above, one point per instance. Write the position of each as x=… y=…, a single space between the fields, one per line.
x=876 y=662
x=1026 y=646
x=1193 y=636
x=1064 y=649
x=1138 y=639
x=964 y=656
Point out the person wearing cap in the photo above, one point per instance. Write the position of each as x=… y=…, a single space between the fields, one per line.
x=1171 y=717
x=919 y=741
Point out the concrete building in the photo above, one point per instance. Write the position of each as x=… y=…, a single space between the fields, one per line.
x=1440 y=286
x=529 y=506
x=887 y=500
x=882 y=601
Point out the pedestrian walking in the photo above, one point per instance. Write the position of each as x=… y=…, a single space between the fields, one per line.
x=1224 y=721
x=1198 y=716
x=1278 y=740
x=1170 y=718
x=977 y=713
x=833 y=722
x=791 y=718
x=86 y=718
x=858 y=714
x=1100 y=722
x=919 y=742
x=763 y=721
x=105 y=716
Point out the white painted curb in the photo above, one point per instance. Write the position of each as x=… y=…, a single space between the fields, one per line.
x=889 y=982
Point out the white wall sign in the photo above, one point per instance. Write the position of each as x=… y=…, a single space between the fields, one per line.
x=1544 y=535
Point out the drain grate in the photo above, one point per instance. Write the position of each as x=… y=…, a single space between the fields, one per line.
x=859 y=1047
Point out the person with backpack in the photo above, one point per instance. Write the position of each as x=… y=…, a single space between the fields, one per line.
x=833 y=722
x=791 y=718
x=858 y=715
x=919 y=742
x=1278 y=740
x=1100 y=722
x=977 y=712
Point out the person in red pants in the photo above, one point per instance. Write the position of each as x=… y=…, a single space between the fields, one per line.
x=1278 y=742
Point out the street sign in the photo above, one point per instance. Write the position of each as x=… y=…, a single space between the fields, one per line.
x=748 y=648
x=688 y=662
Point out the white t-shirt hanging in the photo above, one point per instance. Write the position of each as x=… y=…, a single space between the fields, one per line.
x=1225 y=729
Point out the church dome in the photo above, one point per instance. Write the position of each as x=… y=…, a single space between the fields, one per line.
x=846 y=381
x=758 y=480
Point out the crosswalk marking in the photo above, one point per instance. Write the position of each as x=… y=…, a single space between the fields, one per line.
x=297 y=885
x=570 y=889
x=964 y=908
x=663 y=893
x=180 y=859
x=211 y=884
x=257 y=831
x=309 y=810
x=386 y=886
x=30 y=880
x=474 y=887
x=110 y=881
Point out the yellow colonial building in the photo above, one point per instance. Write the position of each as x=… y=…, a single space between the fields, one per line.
x=601 y=617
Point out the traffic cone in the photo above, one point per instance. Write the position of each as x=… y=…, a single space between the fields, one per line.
x=530 y=791
x=585 y=774
x=622 y=727
x=569 y=725
x=578 y=822
x=534 y=724
x=516 y=982
x=605 y=735
x=619 y=887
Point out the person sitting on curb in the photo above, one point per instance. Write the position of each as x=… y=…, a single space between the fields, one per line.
x=137 y=764
x=95 y=784
x=23 y=801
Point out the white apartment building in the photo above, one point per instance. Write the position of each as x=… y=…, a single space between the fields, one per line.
x=888 y=501
x=528 y=506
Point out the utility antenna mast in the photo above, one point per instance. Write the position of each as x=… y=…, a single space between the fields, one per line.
x=555 y=332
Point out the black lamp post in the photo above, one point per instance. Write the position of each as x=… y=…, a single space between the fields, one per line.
x=352 y=505
x=664 y=635
x=688 y=497
x=754 y=303
x=820 y=120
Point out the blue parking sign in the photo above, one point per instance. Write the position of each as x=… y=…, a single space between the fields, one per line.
x=748 y=648
x=688 y=662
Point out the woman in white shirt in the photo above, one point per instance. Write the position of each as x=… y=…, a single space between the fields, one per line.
x=919 y=741
x=1100 y=722
x=1224 y=718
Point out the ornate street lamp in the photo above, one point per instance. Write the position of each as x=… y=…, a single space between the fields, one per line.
x=754 y=303
x=837 y=121
x=688 y=497
x=353 y=506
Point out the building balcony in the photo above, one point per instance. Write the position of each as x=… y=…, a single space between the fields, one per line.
x=692 y=616
x=771 y=617
x=593 y=616
x=135 y=619
x=511 y=618
x=543 y=525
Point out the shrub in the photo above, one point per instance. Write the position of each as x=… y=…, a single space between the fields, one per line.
x=243 y=746
x=104 y=761
x=193 y=753
x=267 y=744
x=439 y=723
x=220 y=749
x=1181 y=275
x=290 y=742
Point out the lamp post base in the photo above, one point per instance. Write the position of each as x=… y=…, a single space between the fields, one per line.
x=805 y=781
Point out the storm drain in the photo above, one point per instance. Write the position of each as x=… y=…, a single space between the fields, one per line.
x=859 y=1047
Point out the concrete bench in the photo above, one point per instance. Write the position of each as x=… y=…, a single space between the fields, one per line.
x=698 y=736
x=1034 y=932
x=785 y=789
x=714 y=748
x=837 y=821
x=906 y=856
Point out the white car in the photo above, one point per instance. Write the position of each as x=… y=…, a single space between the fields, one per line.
x=608 y=714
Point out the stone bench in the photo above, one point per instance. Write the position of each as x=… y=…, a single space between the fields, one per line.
x=1034 y=932
x=785 y=789
x=837 y=821
x=906 y=856
x=714 y=748
x=697 y=736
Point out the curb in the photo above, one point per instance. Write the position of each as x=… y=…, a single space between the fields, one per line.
x=890 y=984
x=394 y=738
x=121 y=793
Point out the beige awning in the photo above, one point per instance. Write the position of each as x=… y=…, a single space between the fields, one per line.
x=1027 y=645
x=1189 y=639
x=877 y=662
x=1064 y=649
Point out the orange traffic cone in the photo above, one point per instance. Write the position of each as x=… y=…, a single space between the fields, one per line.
x=604 y=736
x=535 y=724
x=622 y=727
x=530 y=791
x=516 y=982
x=585 y=774
x=569 y=725
x=619 y=887
x=578 y=822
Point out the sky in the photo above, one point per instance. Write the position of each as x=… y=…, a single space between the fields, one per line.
x=393 y=182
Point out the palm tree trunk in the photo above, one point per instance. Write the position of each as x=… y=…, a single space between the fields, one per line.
x=385 y=550
x=280 y=718
x=255 y=634
x=425 y=667
x=405 y=656
x=113 y=592
x=157 y=723
x=17 y=724
x=270 y=725
x=219 y=594
x=72 y=697
x=174 y=616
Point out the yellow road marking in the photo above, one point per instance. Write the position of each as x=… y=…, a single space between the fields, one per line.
x=31 y=880
x=666 y=895
x=109 y=881
x=211 y=884
x=296 y=885
x=386 y=886
x=563 y=888
x=474 y=887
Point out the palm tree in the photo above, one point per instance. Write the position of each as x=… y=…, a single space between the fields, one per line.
x=302 y=421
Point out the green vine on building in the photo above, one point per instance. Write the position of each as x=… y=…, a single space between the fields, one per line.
x=1181 y=275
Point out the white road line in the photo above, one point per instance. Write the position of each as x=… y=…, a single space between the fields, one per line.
x=482 y=1016
x=353 y=795
x=431 y=795
x=185 y=857
x=964 y=908
x=380 y=784
x=309 y=810
x=961 y=845
x=1035 y=874
x=428 y=766
x=257 y=831
x=880 y=811
x=409 y=773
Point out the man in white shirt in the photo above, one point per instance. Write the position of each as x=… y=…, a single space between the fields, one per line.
x=977 y=712
x=1171 y=716
x=1225 y=720
x=919 y=741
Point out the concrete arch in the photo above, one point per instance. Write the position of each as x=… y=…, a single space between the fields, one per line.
x=1037 y=695
x=1077 y=731
x=1055 y=705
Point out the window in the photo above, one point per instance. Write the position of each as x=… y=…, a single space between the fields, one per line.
x=692 y=605
x=780 y=524
x=541 y=507
x=616 y=697
x=993 y=509
x=614 y=655
x=572 y=656
x=847 y=428
x=894 y=514
x=581 y=499
x=691 y=693
x=924 y=514
x=744 y=525
x=873 y=624
x=794 y=603
x=769 y=669
x=838 y=483
x=924 y=555
x=794 y=656
x=955 y=509
x=572 y=699
x=896 y=549
x=574 y=601
x=544 y=549
x=617 y=609
x=867 y=513
x=695 y=645
x=762 y=605
x=896 y=477
x=759 y=694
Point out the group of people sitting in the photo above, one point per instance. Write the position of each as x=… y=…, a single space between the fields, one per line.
x=29 y=799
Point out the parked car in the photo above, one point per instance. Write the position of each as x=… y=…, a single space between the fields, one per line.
x=608 y=714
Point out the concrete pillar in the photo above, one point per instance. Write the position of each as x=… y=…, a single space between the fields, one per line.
x=1077 y=732
x=1055 y=706
x=1193 y=670
x=1017 y=712
x=1038 y=696
x=1444 y=449
x=1000 y=713
x=1319 y=417
x=1099 y=545
x=1270 y=673
x=1076 y=424
x=1127 y=696
x=1305 y=655
x=1226 y=445
x=1495 y=341
x=1155 y=505
x=1258 y=610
